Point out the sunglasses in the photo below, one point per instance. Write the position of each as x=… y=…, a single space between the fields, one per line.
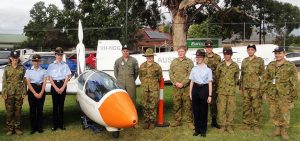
x=35 y=60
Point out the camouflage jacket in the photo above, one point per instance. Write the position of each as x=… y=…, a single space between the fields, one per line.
x=227 y=78
x=212 y=61
x=150 y=76
x=281 y=80
x=251 y=72
x=126 y=71
x=13 y=78
x=180 y=71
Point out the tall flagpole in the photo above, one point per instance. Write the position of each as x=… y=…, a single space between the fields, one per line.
x=126 y=20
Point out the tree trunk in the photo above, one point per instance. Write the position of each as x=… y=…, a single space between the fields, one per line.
x=179 y=32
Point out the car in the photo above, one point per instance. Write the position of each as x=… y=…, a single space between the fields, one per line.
x=90 y=60
x=48 y=59
x=294 y=57
x=4 y=55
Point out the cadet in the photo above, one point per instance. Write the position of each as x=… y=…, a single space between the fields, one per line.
x=250 y=81
x=59 y=74
x=212 y=60
x=200 y=93
x=13 y=92
x=281 y=81
x=227 y=75
x=180 y=69
x=150 y=75
x=36 y=79
x=126 y=70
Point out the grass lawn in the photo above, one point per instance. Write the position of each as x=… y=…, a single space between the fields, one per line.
x=74 y=131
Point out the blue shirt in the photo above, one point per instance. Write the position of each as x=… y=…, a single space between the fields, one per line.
x=58 y=71
x=36 y=76
x=201 y=75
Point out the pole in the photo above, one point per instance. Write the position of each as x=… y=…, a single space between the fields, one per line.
x=244 y=32
x=284 y=35
x=160 y=116
x=260 y=17
x=126 y=22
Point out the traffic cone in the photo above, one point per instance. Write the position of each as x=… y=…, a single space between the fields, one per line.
x=160 y=121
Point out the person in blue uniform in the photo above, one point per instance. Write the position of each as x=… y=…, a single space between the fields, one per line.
x=36 y=78
x=200 y=93
x=59 y=74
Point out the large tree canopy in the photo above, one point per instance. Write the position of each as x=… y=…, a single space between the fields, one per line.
x=187 y=12
x=102 y=19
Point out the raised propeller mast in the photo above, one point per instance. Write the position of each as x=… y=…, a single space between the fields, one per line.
x=80 y=50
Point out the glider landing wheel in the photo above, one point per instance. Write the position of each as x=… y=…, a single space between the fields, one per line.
x=116 y=134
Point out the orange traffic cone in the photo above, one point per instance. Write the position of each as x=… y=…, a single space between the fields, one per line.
x=160 y=122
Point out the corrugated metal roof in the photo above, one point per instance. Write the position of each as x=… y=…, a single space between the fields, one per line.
x=155 y=35
x=12 y=38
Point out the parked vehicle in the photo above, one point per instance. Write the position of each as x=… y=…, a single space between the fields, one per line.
x=48 y=59
x=4 y=57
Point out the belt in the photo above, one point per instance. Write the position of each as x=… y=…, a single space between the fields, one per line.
x=62 y=80
x=200 y=85
x=38 y=84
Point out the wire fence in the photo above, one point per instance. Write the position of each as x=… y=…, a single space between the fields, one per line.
x=285 y=34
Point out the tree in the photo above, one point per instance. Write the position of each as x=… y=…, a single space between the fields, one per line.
x=205 y=30
x=183 y=12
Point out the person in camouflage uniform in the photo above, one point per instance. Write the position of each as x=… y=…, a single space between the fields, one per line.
x=281 y=81
x=126 y=70
x=251 y=73
x=13 y=93
x=150 y=76
x=212 y=60
x=227 y=75
x=179 y=72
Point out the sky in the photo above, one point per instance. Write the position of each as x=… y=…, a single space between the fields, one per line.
x=14 y=14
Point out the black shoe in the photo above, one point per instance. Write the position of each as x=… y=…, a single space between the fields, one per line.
x=54 y=128
x=40 y=130
x=203 y=135
x=215 y=125
x=32 y=132
x=196 y=134
x=62 y=128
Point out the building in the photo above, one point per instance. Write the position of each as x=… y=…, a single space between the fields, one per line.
x=158 y=40
x=8 y=41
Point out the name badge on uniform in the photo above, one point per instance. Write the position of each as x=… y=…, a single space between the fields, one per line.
x=122 y=63
x=274 y=81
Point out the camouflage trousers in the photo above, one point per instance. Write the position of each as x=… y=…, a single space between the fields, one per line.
x=13 y=106
x=252 y=107
x=213 y=104
x=149 y=100
x=280 y=111
x=226 y=109
x=182 y=105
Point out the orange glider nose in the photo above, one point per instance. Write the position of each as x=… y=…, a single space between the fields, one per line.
x=118 y=111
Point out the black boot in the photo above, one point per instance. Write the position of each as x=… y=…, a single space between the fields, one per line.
x=214 y=123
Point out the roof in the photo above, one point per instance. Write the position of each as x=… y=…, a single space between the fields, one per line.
x=12 y=38
x=155 y=35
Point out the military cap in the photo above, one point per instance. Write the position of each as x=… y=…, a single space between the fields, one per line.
x=200 y=52
x=36 y=57
x=59 y=50
x=124 y=47
x=208 y=44
x=279 y=49
x=251 y=46
x=15 y=54
x=227 y=50
x=149 y=52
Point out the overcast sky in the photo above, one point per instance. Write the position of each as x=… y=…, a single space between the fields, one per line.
x=14 y=14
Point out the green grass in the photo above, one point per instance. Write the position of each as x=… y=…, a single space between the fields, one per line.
x=74 y=131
